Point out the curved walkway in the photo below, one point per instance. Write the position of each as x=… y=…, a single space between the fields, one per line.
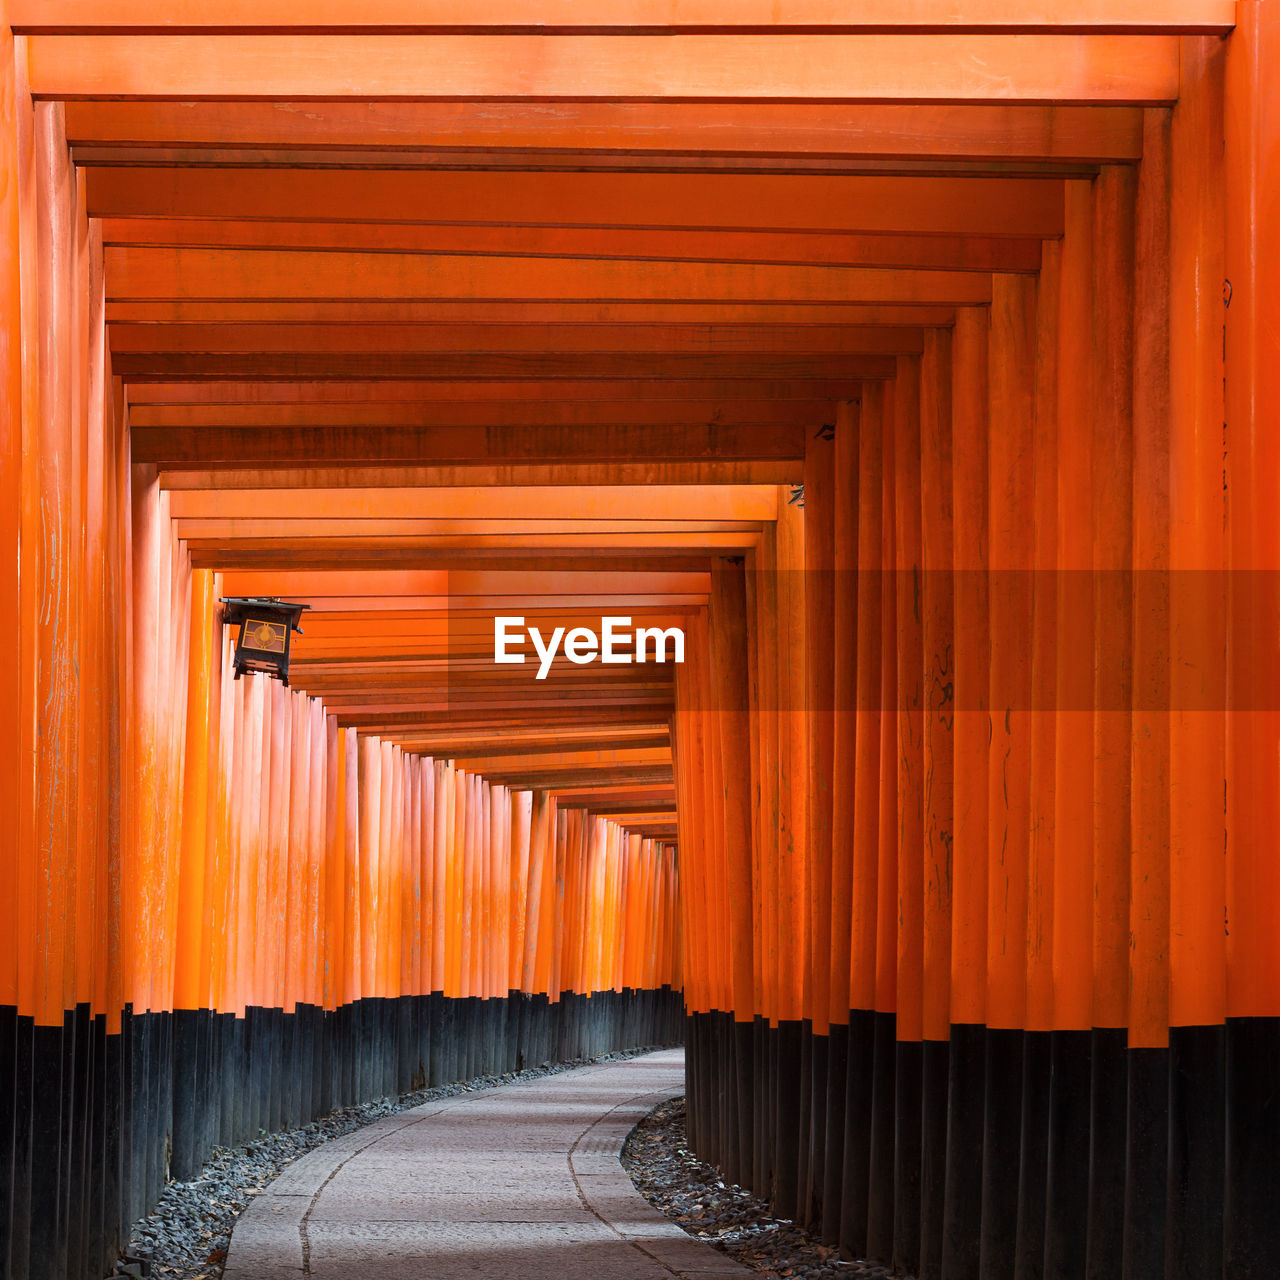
x=521 y=1182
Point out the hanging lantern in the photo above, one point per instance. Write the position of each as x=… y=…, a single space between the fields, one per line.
x=266 y=632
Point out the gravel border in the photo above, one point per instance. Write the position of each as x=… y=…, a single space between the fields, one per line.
x=694 y=1196
x=187 y=1235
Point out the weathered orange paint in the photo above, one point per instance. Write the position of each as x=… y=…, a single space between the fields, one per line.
x=1011 y=467
x=843 y=68
x=969 y=860
x=909 y=696
x=820 y=16
x=937 y=551
x=1112 y=422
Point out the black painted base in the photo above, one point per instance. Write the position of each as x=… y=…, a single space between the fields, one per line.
x=1004 y=1155
x=92 y=1125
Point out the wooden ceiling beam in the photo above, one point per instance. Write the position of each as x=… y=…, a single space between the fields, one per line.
x=458 y=585
x=463 y=312
x=983 y=68
x=533 y=532
x=617 y=339
x=144 y=273
x=505 y=762
x=892 y=205
x=625 y=129
x=489 y=414
x=442 y=720
x=210 y=446
x=410 y=555
x=534 y=742
x=827 y=17
x=526 y=502
x=564 y=476
x=518 y=366
x=449 y=161
x=946 y=253
x=354 y=395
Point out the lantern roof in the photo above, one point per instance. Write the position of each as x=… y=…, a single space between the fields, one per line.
x=239 y=606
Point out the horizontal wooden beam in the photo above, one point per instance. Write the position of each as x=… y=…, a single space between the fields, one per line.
x=448 y=719
x=668 y=553
x=531 y=779
x=947 y=253
x=531 y=534
x=1210 y=17
x=142 y=273
x=623 y=794
x=354 y=555
x=624 y=130
x=521 y=687
x=136 y=339
x=172 y=446
x=391 y=724
x=491 y=413
x=312 y=365
x=435 y=161
x=532 y=742
x=894 y=205
x=515 y=601
x=457 y=585
x=629 y=492
x=562 y=477
x=570 y=311
x=494 y=763
x=1059 y=69
x=335 y=394
x=842 y=68
x=468 y=632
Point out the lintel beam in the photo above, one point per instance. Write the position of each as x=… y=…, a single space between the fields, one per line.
x=1057 y=69
x=207 y=446
x=822 y=131
x=159 y=396
x=666 y=17
x=204 y=274
x=462 y=312
x=892 y=204
x=524 y=502
x=614 y=339
x=944 y=253
x=561 y=476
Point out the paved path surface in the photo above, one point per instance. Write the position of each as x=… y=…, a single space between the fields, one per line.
x=521 y=1182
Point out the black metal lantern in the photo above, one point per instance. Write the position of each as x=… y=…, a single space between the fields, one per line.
x=266 y=633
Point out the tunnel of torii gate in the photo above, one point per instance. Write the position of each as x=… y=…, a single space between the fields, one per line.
x=918 y=359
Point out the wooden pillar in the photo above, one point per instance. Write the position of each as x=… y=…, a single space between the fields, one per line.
x=1148 y=1012
x=865 y=852
x=1042 y=705
x=1252 y=479
x=844 y=697
x=970 y=407
x=727 y=618
x=1115 y=193
x=819 y=636
x=1066 y=1211
x=881 y=1124
x=195 y=806
x=910 y=789
x=11 y=328
x=1011 y=470
x=937 y=596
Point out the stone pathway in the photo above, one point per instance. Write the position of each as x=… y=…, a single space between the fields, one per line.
x=517 y=1183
